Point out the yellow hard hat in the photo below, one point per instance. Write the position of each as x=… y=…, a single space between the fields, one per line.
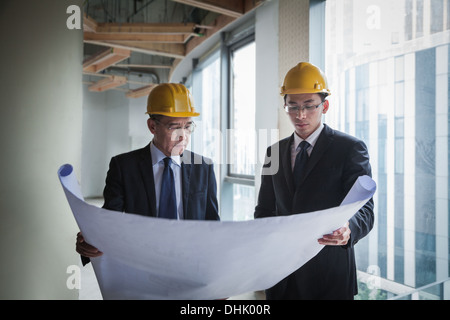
x=305 y=78
x=172 y=100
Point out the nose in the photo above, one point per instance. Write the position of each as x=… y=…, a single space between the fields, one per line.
x=301 y=114
x=182 y=135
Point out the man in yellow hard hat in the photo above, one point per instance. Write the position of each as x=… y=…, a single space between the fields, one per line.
x=163 y=179
x=317 y=168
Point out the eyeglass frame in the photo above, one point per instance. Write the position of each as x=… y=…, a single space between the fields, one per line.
x=168 y=127
x=302 y=108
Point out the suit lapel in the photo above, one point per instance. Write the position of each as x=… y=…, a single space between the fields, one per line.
x=286 y=163
x=186 y=168
x=146 y=168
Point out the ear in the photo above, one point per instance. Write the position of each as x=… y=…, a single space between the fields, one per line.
x=151 y=125
x=326 y=105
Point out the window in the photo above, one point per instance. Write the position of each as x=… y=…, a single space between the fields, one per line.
x=205 y=88
x=242 y=134
x=390 y=88
x=207 y=100
x=242 y=112
x=228 y=136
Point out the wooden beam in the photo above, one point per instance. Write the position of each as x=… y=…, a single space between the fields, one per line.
x=140 y=92
x=173 y=50
x=163 y=28
x=108 y=83
x=147 y=37
x=89 y=24
x=104 y=59
x=219 y=23
x=232 y=8
x=143 y=66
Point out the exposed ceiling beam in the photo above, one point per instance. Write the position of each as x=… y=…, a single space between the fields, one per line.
x=89 y=24
x=162 y=28
x=143 y=66
x=145 y=37
x=173 y=50
x=108 y=83
x=232 y=8
x=104 y=59
x=140 y=92
x=219 y=23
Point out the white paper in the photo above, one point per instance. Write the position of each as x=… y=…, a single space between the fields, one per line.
x=154 y=258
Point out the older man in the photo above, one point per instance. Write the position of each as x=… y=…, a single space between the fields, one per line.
x=162 y=179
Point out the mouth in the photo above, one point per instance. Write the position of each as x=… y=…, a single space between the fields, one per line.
x=301 y=125
x=180 y=145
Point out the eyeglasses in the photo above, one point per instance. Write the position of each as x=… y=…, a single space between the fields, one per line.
x=295 y=109
x=189 y=127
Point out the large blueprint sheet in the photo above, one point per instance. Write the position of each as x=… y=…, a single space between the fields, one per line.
x=150 y=258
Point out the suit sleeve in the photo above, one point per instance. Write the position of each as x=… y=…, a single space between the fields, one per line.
x=212 y=212
x=113 y=192
x=358 y=164
x=266 y=206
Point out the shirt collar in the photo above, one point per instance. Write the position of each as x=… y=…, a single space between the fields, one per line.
x=312 y=139
x=158 y=156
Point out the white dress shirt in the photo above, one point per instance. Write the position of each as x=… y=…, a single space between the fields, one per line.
x=158 y=168
x=312 y=139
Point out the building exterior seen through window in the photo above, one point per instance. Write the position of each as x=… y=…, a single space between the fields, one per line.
x=387 y=64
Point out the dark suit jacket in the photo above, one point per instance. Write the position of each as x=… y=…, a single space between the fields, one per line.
x=336 y=161
x=130 y=186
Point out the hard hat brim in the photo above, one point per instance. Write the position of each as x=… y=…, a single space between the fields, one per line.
x=177 y=114
x=300 y=91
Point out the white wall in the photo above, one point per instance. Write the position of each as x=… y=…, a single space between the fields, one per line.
x=40 y=126
x=293 y=47
x=112 y=124
x=267 y=91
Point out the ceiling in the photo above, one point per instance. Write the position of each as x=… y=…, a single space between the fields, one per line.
x=132 y=45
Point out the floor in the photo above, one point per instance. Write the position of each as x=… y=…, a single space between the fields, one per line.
x=90 y=290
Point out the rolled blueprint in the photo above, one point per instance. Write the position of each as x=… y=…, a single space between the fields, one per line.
x=154 y=258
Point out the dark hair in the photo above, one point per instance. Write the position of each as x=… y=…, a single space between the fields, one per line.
x=322 y=95
x=156 y=117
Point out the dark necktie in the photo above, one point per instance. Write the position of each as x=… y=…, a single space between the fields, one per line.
x=167 y=199
x=300 y=162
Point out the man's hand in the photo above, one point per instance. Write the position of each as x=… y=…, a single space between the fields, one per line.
x=85 y=249
x=339 y=237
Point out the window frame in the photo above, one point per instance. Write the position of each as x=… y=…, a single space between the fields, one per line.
x=230 y=48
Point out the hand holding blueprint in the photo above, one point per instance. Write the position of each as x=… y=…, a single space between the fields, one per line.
x=151 y=258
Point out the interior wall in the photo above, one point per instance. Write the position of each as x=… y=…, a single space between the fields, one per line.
x=106 y=133
x=267 y=91
x=293 y=44
x=40 y=101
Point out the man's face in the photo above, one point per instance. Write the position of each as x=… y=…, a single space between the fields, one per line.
x=305 y=120
x=170 y=135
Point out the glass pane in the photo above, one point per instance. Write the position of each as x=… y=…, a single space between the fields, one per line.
x=395 y=98
x=242 y=134
x=243 y=202
x=211 y=111
x=206 y=139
